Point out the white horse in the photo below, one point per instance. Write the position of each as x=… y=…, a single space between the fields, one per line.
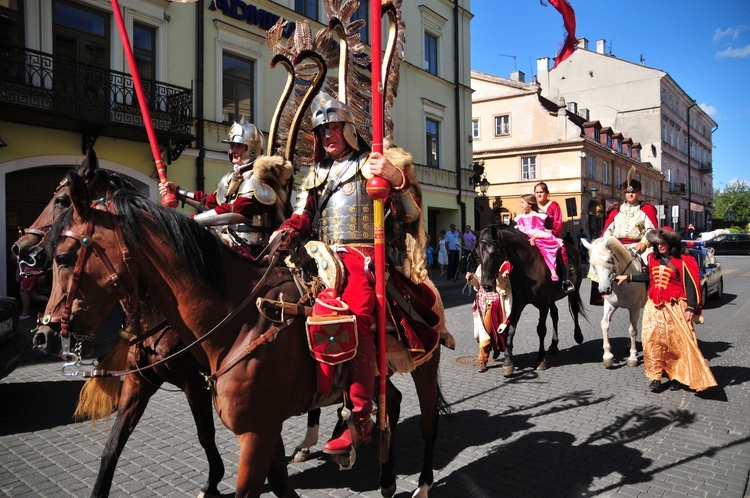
x=608 y=258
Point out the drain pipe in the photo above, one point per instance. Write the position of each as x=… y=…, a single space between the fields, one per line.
x=457 y=73
x=200 y=178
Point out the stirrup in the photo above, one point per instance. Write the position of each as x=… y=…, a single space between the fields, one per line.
x=567 y=286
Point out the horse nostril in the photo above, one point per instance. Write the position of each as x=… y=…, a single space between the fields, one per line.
x=15 y=250
x=488 y=288
x=40 y=339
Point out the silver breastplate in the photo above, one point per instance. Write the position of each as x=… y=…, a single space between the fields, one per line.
x=261 y=226
x=347 y=216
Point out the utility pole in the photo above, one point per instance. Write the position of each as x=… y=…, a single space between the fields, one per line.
x=690 y=176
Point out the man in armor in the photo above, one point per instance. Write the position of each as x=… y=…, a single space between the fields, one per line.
x=249 y=202
x=333 y=207
x=633 y=220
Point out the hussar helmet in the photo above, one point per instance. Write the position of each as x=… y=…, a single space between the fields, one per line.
x=248 y=134
x=325 y=109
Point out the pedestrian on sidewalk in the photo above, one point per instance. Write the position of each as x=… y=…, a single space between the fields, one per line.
x=442 y=252
x=453 y=242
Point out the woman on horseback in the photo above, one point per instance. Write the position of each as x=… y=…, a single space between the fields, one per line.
x=554 y=223
x=531 y=222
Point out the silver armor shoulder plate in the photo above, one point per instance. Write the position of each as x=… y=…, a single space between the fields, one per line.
x=249 y=187
x=316 y=177
x=263 y=193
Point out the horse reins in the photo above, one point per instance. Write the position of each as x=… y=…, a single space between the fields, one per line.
x=89 y=246
x=272 y=249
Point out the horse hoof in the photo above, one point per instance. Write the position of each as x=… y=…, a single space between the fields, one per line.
x=553 y=349
x=344 y=462
x=301 y=455
x=389 y=491
x=608 y=362
x=578 y=336
x=632 y=362
x=422 y=491
x=508 y=371
x=542 y=365
x=208 y=494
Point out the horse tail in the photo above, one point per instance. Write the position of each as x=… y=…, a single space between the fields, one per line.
x=575 y=305
x=444 y=408
x=100 y=395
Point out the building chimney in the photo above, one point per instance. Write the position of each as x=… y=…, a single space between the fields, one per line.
x=583 y=43
x=601 y=46
x=518 y=76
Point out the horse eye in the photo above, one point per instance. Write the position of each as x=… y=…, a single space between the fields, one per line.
x=63 y=259
x=63 y=201
x=611 y=261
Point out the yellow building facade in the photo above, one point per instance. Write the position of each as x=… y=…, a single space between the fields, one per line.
x=65 y=85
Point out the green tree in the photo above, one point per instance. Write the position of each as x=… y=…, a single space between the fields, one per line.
x=733 y=201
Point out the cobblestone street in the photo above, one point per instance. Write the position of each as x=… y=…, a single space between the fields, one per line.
x=575 y=429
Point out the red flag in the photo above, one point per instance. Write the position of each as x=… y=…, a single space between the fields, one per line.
x=569 y=19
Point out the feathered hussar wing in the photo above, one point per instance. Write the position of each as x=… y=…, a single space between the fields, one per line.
x=392 y=63
x=274 y=34
x=332 y=8
x=327 y=44
x=346 y=11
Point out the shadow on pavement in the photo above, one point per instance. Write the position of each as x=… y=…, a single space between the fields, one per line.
x=37 y=406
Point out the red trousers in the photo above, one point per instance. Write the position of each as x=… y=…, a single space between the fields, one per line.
x=359 y=295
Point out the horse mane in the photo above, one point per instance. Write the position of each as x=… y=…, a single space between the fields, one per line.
x=621 y=253
x=505 y=234
x=200 y=249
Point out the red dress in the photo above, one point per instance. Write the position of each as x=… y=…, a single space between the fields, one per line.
x=669 y=342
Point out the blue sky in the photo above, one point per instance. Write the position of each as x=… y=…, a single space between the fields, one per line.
x=704 y=46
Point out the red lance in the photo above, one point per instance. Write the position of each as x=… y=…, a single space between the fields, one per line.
x=168 y=200
x=379 y=189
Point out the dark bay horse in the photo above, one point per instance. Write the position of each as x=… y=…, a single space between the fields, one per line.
x=262 y=369
x=531 y=283
x=137 y=388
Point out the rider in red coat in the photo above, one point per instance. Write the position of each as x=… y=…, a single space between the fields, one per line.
x=554 y=223
x=334 y=207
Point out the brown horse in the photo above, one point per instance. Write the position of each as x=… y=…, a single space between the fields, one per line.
x=163 y=256
x=531 y=283
x=137 y=388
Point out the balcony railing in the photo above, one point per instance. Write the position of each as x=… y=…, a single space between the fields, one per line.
x=705 y=167
x=677 y=188
x=71 y=95
x=437 y=177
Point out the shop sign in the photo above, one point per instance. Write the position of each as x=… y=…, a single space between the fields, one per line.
x=241 y=11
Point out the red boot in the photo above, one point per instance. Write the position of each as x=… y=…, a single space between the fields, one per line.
x=362 y=375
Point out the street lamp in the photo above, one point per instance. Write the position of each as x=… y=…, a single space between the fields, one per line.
x=484 y=185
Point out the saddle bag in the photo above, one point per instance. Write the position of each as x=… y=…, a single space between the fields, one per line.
x=331 y=335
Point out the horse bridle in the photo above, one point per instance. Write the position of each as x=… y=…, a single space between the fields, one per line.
x=42 y=231
x=89 y=246
x=130 y=302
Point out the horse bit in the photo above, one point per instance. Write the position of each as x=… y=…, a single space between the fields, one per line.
x=73 y=359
